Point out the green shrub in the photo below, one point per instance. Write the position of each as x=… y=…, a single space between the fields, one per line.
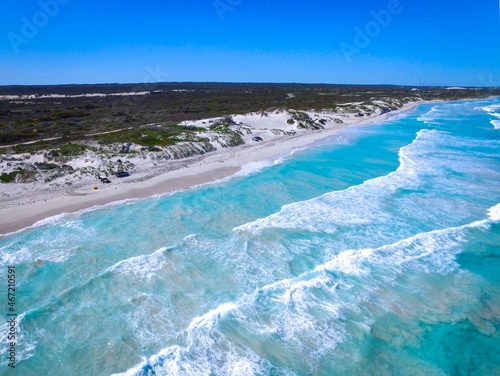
x=164 y=136
x=71 y=150
x=9 y=177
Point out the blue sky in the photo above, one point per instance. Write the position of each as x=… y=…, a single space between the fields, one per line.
x=408 y=42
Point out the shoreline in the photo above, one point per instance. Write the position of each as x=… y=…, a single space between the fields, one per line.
x=26 y=210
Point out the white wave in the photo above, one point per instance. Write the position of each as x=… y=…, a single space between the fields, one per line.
x=150 y=317
x=175 y=360
x=245 y=170
x=495 y=114
x=14 y=257
x=28 y=254
x=57 y=255
x=25 y=343
x=62 y=217
x=143 y=266
x=495 y=123
x=170 y=361
x=215 y=354
x=406 y=251
x=45 y=247
x=255 y=167
x=436 y=242
x=443 y=112
x=429 y=159
x=295 y=307
x=494 y=213
x=430 y=116
x=489 y=109
x=321 y=214
x=357 y=205
x=52 y=220
x=209 y=318
x=432 y=251
x=154 y=361
x=401 y=252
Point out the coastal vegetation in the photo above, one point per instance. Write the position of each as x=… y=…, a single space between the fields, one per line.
x=30 y=114
x=60 y=123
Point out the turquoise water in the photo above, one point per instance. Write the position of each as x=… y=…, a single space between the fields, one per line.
x=373 y=253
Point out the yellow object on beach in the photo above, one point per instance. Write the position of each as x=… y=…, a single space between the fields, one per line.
x=95 y=187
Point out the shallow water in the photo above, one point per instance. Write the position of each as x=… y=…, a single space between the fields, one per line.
x=376 y=252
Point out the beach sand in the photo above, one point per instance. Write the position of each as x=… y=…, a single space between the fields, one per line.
x=26 y=204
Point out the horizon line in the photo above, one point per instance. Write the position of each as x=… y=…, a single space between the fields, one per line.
x=144 y=84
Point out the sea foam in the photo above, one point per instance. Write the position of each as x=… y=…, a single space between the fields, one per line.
x=428 y=252
x=334 y=209
x=143 y=266
x=494 y=213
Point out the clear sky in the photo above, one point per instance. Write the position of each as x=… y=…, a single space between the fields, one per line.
x=409 y=42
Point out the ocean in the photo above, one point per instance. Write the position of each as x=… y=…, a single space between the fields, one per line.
x=375 y=252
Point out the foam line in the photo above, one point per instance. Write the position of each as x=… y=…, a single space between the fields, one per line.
x=439 y=244
x=143 y=266
x=336 y=206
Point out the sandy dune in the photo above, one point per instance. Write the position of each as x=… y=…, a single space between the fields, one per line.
x=23 y=205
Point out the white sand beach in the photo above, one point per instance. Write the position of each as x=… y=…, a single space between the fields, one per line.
x=24 y=204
